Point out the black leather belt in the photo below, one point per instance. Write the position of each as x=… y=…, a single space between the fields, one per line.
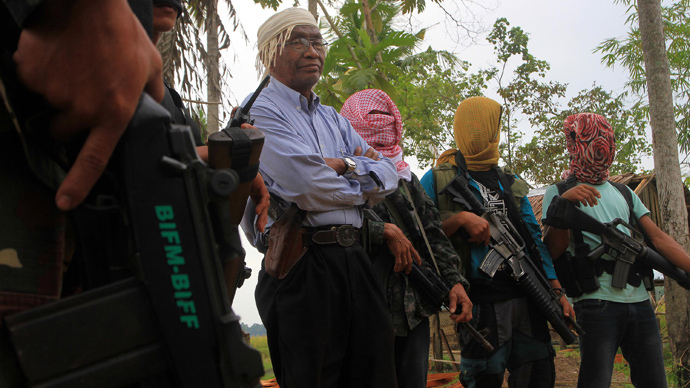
x=343 y=235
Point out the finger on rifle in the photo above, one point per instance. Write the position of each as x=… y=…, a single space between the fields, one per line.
x=453 y=300
x=89 y=165
x=408 y=259
x=261 y=200
x=416 y=257
x=466 y=314
x=398 y=262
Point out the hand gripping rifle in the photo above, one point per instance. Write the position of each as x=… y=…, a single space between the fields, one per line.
x=430 y=284
x=507 y=246
x=173 y=318
x=626 y=250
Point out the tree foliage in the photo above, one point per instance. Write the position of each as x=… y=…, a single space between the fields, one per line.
x=524 y=90
x=357 y=60
x=534 y=112
x=429 y=92
x=627 y=53
x=185 y=53
x=543 y=158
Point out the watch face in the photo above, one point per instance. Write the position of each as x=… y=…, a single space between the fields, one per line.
x=351 y=165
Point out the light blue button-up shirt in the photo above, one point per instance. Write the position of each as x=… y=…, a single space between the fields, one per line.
x=298 y=136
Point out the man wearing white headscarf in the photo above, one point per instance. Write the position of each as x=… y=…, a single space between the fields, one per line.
x=318 y=298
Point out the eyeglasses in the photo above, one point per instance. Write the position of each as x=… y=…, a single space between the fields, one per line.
x=302 y=44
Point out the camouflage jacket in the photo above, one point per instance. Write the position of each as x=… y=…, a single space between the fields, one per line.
x=405 y=304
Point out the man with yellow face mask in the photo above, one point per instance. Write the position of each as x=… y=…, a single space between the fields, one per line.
x=515 y=326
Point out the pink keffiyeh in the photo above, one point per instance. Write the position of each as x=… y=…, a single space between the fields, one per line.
x=375 y=117
x=592 y=146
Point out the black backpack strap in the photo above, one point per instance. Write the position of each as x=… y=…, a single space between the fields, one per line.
x=577 y=274
x=628 y=199
x=581 y=249
x=462 y=165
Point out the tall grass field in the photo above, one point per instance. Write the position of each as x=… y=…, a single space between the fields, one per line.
x=261 y=344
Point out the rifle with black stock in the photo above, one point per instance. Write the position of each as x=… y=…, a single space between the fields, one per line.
x=238 y=149
x=625 y=249
x=171 y=316
x=434 y=288
x=508 y=247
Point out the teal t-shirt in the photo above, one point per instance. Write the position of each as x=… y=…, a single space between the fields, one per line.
x=611 y=205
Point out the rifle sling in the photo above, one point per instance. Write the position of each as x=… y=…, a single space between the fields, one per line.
x=398 y=220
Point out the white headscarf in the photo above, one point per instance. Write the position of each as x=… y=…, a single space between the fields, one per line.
x=271 y=38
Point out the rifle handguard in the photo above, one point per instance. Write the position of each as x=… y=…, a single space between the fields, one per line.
x=552 y=314
x=563 y=214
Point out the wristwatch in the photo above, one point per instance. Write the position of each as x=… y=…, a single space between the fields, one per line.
x=350 y=165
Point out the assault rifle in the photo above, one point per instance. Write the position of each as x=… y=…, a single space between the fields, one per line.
x=241 y=115
x=626 y=250
x=508 y=248
x=430 y=284
x=434 y=288
x=238 y=149
x=171 y=324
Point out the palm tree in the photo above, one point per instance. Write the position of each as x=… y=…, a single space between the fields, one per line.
x=366 y=51
x=204 y=14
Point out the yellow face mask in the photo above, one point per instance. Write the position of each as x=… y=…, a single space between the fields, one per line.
x=477 y=133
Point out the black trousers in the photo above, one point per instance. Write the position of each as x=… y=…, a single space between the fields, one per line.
x=412 y=356
x=327 y=323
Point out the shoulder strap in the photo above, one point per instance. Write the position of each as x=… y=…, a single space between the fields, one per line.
x=625 y=192
x=581 y=249
x=442 y=175
x=566 y=185
x=632 y=220
x=420 y=225
x=397 y=218
x=462 y=165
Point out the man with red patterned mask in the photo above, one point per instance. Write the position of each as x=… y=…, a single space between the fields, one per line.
x=611 y=317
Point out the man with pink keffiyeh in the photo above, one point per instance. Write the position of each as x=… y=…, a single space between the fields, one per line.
x=407 y=213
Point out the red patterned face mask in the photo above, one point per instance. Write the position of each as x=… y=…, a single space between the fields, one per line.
x=375 y=117
x=592 y=146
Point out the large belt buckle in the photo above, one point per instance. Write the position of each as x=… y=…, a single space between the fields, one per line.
x=345 y=235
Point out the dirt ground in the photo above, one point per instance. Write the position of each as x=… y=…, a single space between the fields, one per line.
x=567 y=367
x=566 y=373
x=567 y=361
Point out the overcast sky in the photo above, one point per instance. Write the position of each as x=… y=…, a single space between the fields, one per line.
x=562 y=32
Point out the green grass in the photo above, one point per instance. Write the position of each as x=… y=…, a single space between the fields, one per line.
x=261 y=344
